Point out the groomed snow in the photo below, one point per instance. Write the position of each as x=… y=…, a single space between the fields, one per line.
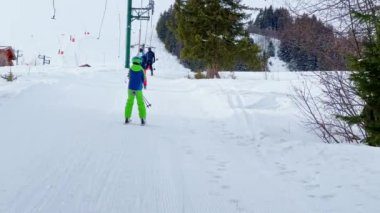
x=220 y=146
x=209 y=146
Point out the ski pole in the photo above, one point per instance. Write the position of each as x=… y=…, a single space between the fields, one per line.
x=147 y=102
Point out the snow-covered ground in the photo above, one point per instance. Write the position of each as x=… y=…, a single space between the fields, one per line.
x=209 y=146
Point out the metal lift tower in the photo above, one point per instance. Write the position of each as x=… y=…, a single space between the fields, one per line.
x=140 y=14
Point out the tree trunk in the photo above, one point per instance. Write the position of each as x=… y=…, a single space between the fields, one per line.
x=209 y=73
x=213 y=72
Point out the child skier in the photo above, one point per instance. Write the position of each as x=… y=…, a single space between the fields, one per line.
x=143 y=64
x=136 y=81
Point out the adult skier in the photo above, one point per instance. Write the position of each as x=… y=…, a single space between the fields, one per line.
x=150 y=59
x=136 y=81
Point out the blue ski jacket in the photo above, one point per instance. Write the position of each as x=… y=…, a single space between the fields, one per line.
x=136 y=77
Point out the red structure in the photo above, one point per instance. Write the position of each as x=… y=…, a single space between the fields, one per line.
x=7 y=54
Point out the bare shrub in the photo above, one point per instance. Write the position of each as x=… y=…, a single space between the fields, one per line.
x=339 y=13
x=324 y=98
x=9 y=77
x=199 y=75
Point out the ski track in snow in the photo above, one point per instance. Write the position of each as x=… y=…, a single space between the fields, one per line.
x=209 y=146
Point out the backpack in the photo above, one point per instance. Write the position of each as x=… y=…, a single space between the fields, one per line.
x=144 y=61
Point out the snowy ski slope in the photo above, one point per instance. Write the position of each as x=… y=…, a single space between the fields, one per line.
x=220 y=146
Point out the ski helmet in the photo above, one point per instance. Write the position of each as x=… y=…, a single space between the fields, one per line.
x=136 y=59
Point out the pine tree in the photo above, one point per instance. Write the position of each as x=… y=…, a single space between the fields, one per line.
x=367 y=80
x=270 y=18
x=212 y=31
x=259 y=19
x=166 y=33
x=271 y=49
x=282 y=18
x=161 y=26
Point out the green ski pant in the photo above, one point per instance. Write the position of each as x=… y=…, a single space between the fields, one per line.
x=140 y=103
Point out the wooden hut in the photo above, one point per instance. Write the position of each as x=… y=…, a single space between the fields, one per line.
x=7 y=55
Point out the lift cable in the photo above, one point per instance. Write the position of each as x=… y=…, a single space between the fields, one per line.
x=54 y=10
x=104 y=14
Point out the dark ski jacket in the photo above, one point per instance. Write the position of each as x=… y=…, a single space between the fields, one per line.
x=150 y=57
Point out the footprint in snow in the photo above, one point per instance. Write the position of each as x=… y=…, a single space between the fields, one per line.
x=225 y=187
x=327 y=196
x=312 y=186
x=210 y=158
